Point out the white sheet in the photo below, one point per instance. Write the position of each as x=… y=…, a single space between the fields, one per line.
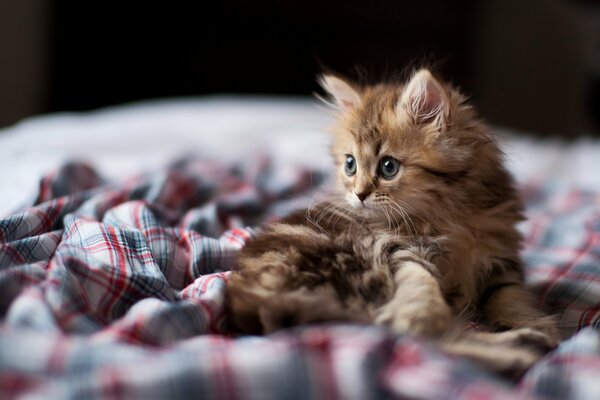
x=125 y=140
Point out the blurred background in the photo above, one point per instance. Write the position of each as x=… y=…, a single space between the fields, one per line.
x=532 y=65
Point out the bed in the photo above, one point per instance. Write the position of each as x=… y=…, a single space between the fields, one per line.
x=119 y=229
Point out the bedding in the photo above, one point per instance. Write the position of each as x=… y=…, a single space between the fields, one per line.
x=112 y=279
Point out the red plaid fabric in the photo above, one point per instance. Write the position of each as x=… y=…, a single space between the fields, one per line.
x=117 y=291
x=562 y=252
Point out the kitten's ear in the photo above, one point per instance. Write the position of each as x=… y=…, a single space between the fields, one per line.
x=343 y=95
x=425 y=100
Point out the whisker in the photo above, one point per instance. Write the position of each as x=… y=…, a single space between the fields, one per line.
x=409 y=223
x=309 y=217
x=402 y=209
x=323 y=212
x=387 y=217
x=406 y=206
x=397 y=226
x=345 y=211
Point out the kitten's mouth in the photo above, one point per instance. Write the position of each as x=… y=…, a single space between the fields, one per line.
x=370 y=210
x=364 y=210
x=358 y=205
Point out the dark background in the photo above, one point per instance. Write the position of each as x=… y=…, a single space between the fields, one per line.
x=533 y=65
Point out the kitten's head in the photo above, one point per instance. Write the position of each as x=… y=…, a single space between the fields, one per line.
x=413 y=148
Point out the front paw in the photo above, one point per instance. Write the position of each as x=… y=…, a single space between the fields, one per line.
x=431 y=319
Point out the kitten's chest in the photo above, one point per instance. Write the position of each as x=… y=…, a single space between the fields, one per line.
x=453 y=259
x=460 y=265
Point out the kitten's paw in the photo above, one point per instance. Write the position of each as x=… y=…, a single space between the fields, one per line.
x=507 y=360
x=510 y=352
x=530 y=338
x=548 y=327
x=431 y=320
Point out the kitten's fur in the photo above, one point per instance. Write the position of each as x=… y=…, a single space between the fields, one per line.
x=433 y=243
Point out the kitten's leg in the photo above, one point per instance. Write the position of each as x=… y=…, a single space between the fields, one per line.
x=510 y=306
x=417 y=305
x=523 y=333
x=510 y=353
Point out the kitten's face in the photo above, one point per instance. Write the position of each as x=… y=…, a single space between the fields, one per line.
x=385 y=172
x=409 y=149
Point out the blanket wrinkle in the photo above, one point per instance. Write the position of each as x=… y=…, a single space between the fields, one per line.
x=117 y=289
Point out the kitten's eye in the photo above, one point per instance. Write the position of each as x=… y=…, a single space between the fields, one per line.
x=389 y=167
x=350 y=165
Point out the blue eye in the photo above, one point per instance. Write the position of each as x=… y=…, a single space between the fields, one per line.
x=350 y=165
x=388 y=167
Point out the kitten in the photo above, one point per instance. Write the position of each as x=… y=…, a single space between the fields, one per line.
x=422 y=233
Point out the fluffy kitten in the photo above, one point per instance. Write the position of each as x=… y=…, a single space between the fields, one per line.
x=423 y=232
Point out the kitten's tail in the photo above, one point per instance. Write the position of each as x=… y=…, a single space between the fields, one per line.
x=253 y=310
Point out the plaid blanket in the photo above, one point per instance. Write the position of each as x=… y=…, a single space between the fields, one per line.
x=117 y=290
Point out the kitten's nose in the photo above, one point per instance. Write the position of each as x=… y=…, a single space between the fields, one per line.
x=362 y=195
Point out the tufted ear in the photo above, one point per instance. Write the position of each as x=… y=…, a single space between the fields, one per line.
x=343 y=95
x=425 y=100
